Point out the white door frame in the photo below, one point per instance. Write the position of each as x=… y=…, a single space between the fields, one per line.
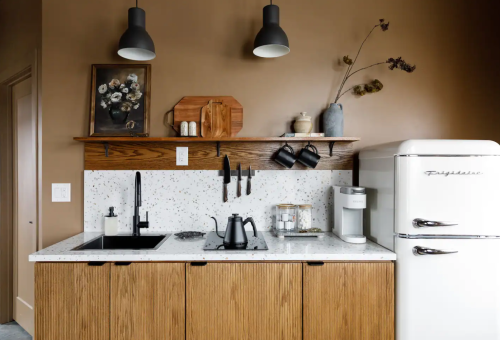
x=27 y=67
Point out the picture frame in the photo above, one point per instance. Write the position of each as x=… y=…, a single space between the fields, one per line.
x=120 y=100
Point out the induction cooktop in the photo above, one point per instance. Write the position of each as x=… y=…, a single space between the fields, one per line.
x=254 y=243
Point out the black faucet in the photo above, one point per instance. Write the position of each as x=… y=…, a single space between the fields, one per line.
x=136 y=223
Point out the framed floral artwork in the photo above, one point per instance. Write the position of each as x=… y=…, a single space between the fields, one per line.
x=120 y=100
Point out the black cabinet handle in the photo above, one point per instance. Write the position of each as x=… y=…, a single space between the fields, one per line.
x=123 y=263
x=317 y=263
x=198 y=264
x=96 y=264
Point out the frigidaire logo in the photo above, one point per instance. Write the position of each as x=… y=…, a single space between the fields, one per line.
x=449 y=173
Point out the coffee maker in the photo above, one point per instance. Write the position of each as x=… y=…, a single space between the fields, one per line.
x=348 y=213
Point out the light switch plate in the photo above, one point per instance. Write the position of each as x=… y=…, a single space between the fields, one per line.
x=61 y=192
x=181 y=156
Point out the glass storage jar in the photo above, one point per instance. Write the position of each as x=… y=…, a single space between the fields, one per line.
x=304 y=217
x=286 y=217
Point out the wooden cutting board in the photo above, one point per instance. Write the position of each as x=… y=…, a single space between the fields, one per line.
x=215 y=120
x=227 y=111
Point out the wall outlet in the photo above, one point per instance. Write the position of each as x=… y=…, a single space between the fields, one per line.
x=61 y=192
x=181 y=156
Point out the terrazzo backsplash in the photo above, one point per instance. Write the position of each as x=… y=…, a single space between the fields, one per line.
x=186 y=199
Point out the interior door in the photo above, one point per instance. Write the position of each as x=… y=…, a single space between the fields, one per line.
x=459 y=191
x=452 y=296
x=25 y=197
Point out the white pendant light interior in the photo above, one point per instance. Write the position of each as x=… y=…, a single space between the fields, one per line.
x=271 y=51
x=134 y=53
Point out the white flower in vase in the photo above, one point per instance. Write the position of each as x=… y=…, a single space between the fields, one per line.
x=134 y=96
x=102 y=89
x=116 y=97
x=122 y=86
x=125 y=90
x=126 y=107
x=103 y=104
x=135 y=86
x=132 y=77
x=114 y=83
x=136 y=106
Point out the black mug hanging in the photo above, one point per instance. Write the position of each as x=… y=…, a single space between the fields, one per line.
x=309 y=158
x=286 y=156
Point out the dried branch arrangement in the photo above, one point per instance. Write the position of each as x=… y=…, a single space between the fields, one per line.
x=375 y=85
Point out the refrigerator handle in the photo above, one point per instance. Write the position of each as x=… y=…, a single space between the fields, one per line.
x=421 y=223
x=429 y=251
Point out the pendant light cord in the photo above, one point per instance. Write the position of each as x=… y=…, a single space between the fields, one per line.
x=137 y=3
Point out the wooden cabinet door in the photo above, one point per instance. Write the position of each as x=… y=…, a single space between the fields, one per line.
x=72 y=301
x=258 y=301
x=148 y=301
x=352 y=301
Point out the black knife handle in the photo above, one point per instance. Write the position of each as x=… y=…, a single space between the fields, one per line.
x=225 y=192
x=238 y=193
x=249 y=187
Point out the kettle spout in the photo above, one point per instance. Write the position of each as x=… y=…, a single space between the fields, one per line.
x=216 y=227
x=253 y=225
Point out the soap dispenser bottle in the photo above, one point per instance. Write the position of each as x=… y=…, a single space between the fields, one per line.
x=111 y=223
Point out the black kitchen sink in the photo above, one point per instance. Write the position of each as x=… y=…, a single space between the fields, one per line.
x=151 y=242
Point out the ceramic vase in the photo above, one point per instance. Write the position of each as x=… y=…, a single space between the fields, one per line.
x=117 y=115
x=333 y=121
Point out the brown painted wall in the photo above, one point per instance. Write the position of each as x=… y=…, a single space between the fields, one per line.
x=20 y=30
x=204 y=48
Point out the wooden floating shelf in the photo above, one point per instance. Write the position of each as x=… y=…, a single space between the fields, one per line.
x=207 y=140
x=159 y=153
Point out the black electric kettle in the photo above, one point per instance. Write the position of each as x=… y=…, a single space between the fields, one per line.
x=235 y=236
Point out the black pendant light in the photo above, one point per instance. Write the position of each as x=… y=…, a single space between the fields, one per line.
x=135 y=43
x=271 y=41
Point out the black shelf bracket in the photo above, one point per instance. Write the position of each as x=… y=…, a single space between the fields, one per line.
x=106 y=149
x=218 y=149
x=331 y=148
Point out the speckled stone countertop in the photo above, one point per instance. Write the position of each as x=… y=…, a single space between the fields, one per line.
x=328 y=248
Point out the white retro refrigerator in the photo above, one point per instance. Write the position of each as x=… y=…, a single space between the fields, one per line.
x=436 y=203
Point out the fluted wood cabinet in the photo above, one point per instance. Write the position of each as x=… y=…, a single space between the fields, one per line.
x=71 y=301
x=212 y=301
x=253 y=301
x=352 y=301
x=147 y=301
x=125 y=301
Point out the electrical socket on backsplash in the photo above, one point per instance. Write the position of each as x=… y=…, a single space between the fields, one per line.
x=180 y=200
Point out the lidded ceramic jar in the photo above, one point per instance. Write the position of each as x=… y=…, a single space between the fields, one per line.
x=303 y=123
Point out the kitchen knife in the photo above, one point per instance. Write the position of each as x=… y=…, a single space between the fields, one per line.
x=238 y=193
x=227 y=176
x=249 y=183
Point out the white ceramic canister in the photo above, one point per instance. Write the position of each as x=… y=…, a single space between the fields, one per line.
x=184 y=129
x=192 y=129
x=303 y=123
